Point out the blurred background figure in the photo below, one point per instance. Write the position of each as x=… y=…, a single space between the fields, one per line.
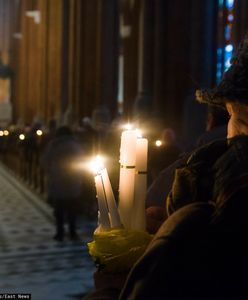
x=216 y=125
x=64 y=181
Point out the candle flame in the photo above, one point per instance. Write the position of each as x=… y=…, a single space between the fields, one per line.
x=158 y=143
x=97 y=165
x=22 y=137
x=128 y=126
x=39 y=132
x=6 y=132
x=1 y=133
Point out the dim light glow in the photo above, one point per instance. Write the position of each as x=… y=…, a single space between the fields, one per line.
x=1 y=133
x=158 y=143
x=97 y=164
x=6 y=132
x=22 y=137
x=230 y=17
x=39 y=132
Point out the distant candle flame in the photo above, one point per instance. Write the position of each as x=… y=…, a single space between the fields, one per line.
x=39 y=132
x=1 y=133
x=22 y=137
x=97 y=165
x=6 y=132
x=158 y=143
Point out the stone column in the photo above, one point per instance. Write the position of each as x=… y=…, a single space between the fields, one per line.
x=143 y=102
x=107 y=54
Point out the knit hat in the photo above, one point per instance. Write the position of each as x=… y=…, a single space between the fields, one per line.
x=234 y=84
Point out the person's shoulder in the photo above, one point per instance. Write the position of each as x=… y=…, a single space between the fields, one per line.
x=189 y=218
x=208 y=152
x=216 y=133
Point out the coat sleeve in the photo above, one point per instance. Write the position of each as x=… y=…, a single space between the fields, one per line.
x=163 y=272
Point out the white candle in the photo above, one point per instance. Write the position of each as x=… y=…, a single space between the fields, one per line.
x=139 y=222
x=103 y=216
x=127 y=176
x=112 y=207
x=128 y=148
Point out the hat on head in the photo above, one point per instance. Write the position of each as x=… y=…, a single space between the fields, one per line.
x=234 y=84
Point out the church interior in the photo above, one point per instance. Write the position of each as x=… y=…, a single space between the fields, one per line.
x=92 y=65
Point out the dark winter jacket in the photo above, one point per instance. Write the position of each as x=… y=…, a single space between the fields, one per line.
x=200 y=251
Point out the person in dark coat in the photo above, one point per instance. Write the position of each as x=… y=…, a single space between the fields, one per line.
x=64 y=180
x=200 y=251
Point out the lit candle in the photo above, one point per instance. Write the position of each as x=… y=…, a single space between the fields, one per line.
x=140 y=184
x=22 y=137
x=127 y=176
x=103 y=215
x=158 y=143
x=39 y=132
x=112 y=207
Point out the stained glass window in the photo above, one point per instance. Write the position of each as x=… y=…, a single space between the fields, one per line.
x=225 y=46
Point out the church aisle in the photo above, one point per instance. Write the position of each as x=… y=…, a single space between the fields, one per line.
x=31 y=261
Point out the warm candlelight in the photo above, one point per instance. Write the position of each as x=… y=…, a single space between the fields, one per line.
x=108 y=211
x=127 y=176
x=158 y=143
x=132 y=185
x=39 y=132
x=22 y=137
x=112 y=207
x=140 y=184
x=103 y=216
x=6 y=132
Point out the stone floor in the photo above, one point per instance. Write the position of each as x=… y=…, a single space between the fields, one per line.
x=30 y=260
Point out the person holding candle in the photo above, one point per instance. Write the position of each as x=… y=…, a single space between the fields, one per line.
x=200 y=251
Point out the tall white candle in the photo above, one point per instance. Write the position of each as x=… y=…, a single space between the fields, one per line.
x=128 y=148
x=103 y=216
x=112 y=207
x=127 y=176
x=139 y=222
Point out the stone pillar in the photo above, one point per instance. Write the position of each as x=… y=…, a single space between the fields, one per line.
x=160 y=47
x=129 y=46
x=107 y=54
x=143 y=102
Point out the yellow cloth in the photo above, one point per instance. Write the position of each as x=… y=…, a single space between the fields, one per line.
x=117 y=250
